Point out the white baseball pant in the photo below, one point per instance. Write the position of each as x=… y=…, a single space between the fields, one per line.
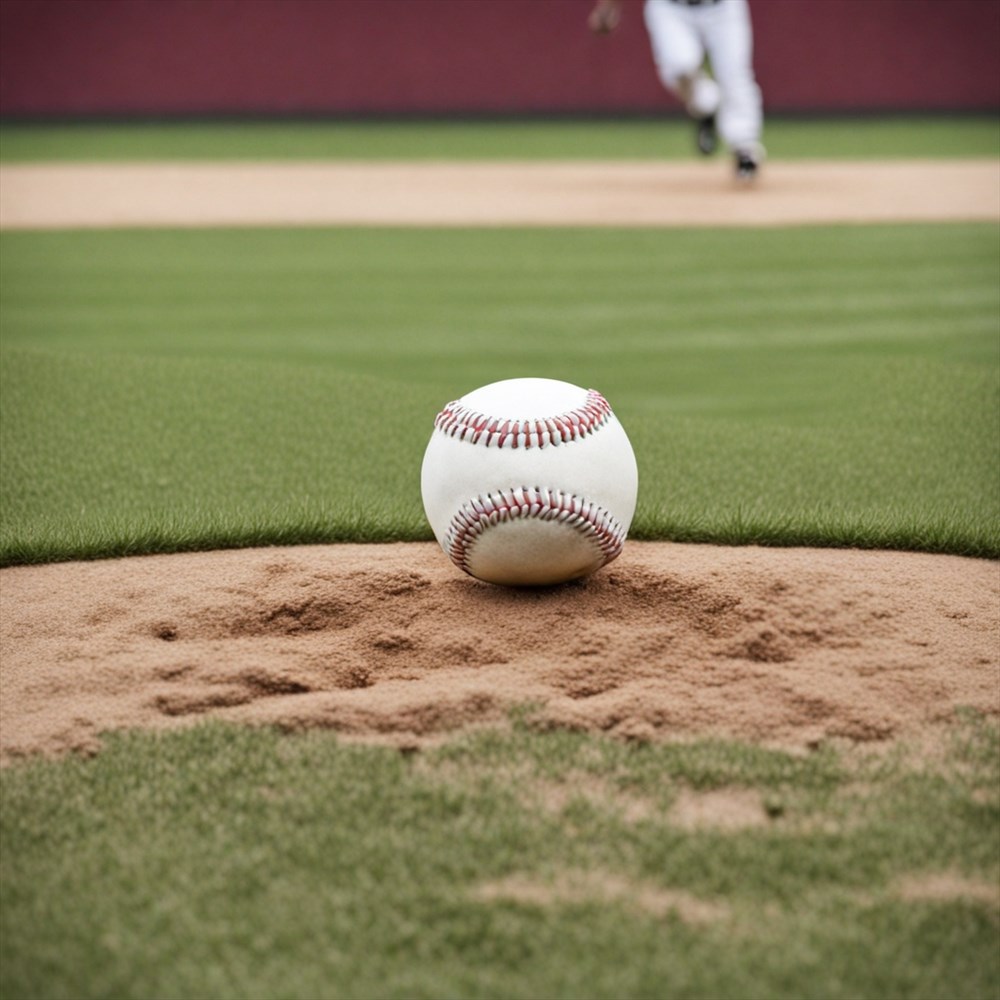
x=681 y=34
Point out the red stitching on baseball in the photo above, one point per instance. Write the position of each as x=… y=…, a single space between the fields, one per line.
x=460 y=422
x=482 y=512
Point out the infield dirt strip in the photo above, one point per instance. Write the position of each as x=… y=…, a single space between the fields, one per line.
x=391 y=642
x=58 y=195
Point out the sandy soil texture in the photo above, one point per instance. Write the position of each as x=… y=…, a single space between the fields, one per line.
x=391 y=642
x=487 y=194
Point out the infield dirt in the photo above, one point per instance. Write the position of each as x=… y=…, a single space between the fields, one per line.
x=43 y=196
x=391 y=643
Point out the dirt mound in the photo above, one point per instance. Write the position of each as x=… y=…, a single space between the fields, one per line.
x=390 y=642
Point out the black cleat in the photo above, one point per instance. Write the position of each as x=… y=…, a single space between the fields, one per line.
x=747 y=165
x=707 y=138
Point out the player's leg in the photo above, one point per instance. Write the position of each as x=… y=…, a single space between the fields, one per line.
x=728 y=37
x=679 y=57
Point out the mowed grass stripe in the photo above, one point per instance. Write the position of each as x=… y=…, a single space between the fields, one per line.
x=173 y=389
x=669 y=138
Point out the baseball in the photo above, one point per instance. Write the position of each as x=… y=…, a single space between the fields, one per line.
x=529 y=482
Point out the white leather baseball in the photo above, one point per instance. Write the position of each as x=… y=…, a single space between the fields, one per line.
x=529 y=481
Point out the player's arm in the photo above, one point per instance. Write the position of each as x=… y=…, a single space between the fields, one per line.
x=605 y=16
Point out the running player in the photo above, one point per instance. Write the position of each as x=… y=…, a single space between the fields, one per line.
x=723 y=98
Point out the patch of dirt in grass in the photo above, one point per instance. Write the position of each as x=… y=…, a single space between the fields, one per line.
x=581 y=888
x=945 y=887
x=557 y=796
x=722 y=809
x=390 y=643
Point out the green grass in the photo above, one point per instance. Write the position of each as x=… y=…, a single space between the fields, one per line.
x=166 y=390
x=174 y=390
x=221 y=862
x=670 y=138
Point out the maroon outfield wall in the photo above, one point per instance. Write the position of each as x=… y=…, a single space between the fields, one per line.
x=357 y=57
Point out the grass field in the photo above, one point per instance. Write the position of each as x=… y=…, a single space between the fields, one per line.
x=224 y=863
x=644 y=139
x=167 y=390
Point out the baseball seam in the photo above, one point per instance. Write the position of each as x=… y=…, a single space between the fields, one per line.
x=483 y=512
x=461 y=422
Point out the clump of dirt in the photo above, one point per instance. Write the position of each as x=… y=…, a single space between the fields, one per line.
x=391 y=643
